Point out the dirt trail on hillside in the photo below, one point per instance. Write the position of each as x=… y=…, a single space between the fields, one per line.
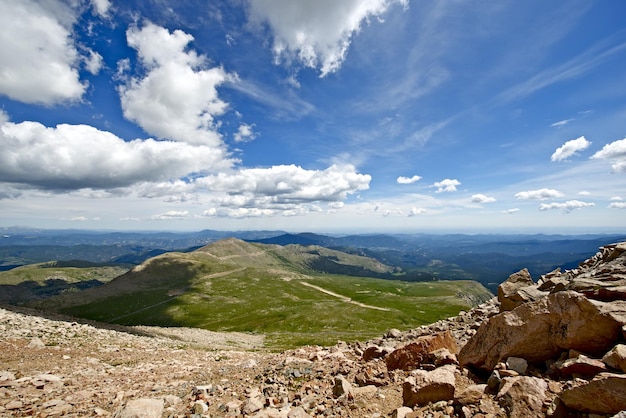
x=344 y=298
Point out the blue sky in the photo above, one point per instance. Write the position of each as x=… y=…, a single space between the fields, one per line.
x=351 y=116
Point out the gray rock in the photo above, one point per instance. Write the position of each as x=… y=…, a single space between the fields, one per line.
x=341 y=387
x=518 y=364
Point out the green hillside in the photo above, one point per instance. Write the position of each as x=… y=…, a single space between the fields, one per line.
x=43 y=280
x=233 y=285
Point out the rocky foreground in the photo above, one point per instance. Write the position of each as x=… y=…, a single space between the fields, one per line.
x=556 y=347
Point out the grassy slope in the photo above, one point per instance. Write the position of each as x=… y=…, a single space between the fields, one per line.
x=37 y=281
x=238 y=286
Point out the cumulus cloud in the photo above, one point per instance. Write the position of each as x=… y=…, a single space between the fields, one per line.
x=177 y=98
x=316 y=34
x=101 y=7
x=446 y=185
x=408 y=180
x=93 y=62
x=570 y=148
x=69 y=157
x=617 y=205
x=289 y=183
x=540 y=194
x=38 y=58
x=481 y=198
x=567 y=207
x=416 y=211
x=245 y=133
x=616 y=153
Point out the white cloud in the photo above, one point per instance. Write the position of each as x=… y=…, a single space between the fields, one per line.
x=617 y=205
x=170 y=215
x=616 y=198
x=567 y=207
x=446 y=185
x=177 y=99
x=93 y=62
x=38 y=58
x=245 y=133
x=316 y=33
x=539 y=194
x=616 y=153
x=511 y=211
x=416 y=211
x=239 y=213
x=408 y=180
x=70 y=157
x=101 y=7
x=561 y=123
x=584 y=193
x=570 y=148
x=481 y=198
x=288 y=184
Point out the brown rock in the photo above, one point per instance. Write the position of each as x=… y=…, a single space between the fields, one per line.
x=540 y=330
x=523 y=396
x=605 y=394
x=298 y=412
x=414 y=354
x=141 y=408
x=616 y=358
x=508 y=289
x=372 y=374
x=401 y=412
x=472 y=394
x=581 y=365
x=374 y=351
x=423 y=387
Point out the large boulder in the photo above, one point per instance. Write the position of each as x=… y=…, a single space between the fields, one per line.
x=412 y=355
x=606 y=394
x=508 y=291
x=422 y=387
x=541 y=330
x=523 y=396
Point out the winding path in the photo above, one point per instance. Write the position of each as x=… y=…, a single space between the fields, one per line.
x=344 y=298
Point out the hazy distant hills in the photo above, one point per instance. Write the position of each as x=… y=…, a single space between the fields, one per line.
x=279 y=291
x=487 y=258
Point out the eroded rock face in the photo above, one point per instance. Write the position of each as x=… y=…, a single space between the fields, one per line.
x=540 y=330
